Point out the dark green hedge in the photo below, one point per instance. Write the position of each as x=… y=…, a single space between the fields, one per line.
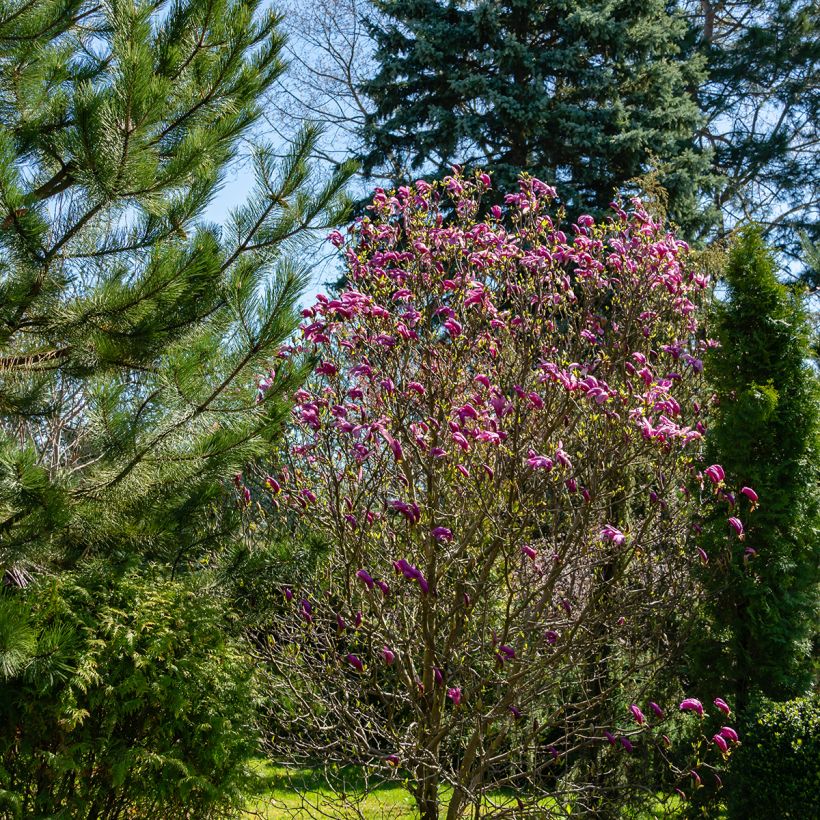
x=776 y=771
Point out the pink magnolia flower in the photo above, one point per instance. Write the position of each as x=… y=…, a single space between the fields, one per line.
x=627 y=744
x=364 y=576
x=704 y=558
x=442 y=534
x=355 y=662
x=395 y=446
x=507 y=651
x=611 y=738
x=538 y=462
x=529 y=551
x=721 y=743
x=453 y=327
x=388 y=655
x=637 y=714
x=737 y=525
x=730 y=734
x=692 y=705
x=695 y=776
x=750 y=494
x=656 y=709
x=454 y=694
x=392 y=760
x=715 y=473
x=723 y=706
x=613 y=534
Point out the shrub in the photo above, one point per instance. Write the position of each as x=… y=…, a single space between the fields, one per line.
x=151 y=713
x=776 y=771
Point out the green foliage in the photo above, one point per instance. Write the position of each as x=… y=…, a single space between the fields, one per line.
x=133 y=334
x=586 y=96
x=763 y=616
x=776 y=771
x=151 y=710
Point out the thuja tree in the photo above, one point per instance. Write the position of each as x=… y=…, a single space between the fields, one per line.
x=130 y=331
x=763 y=618
x=500 y=442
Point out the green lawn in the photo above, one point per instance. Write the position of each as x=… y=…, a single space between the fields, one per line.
x=306 y=793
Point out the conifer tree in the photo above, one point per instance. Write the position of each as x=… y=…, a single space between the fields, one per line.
x=587 y=96
x=766 y=588
x=132 y=331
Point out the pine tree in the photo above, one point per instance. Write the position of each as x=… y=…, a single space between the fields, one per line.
x=587 y=96
x=133 y=333
x=766 y=589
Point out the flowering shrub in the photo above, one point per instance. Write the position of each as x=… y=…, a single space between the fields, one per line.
x=501 y=440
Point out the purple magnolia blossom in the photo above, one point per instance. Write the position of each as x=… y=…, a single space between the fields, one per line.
x=704 y=557
x=442 y=534
x=529 y=551
x=438 y=677
x=355 y=662
x=715 y=473
x=737 y=525
x=627 y=744
x=722 y=705
x=537 y=462
x=730 y=734
x=515 y=711
x=392 y=760
x=613 y=534
x=364 y=576
x=720 y=742
x=637 y=714
x=288 y=594
x=692 y=705
x=507 y=651
x=695 y=776
x=750 y=494
x=384 y=587
x=552 y=637
x=454 y=694
x=656 y=709
x=388 y=655
x=611 y=738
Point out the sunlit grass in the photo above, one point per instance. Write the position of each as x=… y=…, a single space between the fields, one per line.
x=347 y=793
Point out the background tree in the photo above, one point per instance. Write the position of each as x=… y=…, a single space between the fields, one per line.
x=761 y=106
x=766 y=590
x=482 y=390
x=130 y=328
x=587 y=96
x=752 y=69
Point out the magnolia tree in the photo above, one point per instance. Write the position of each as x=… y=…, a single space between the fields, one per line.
x=500 y=442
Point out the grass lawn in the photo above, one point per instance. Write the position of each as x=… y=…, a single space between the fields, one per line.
x=306 y=793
